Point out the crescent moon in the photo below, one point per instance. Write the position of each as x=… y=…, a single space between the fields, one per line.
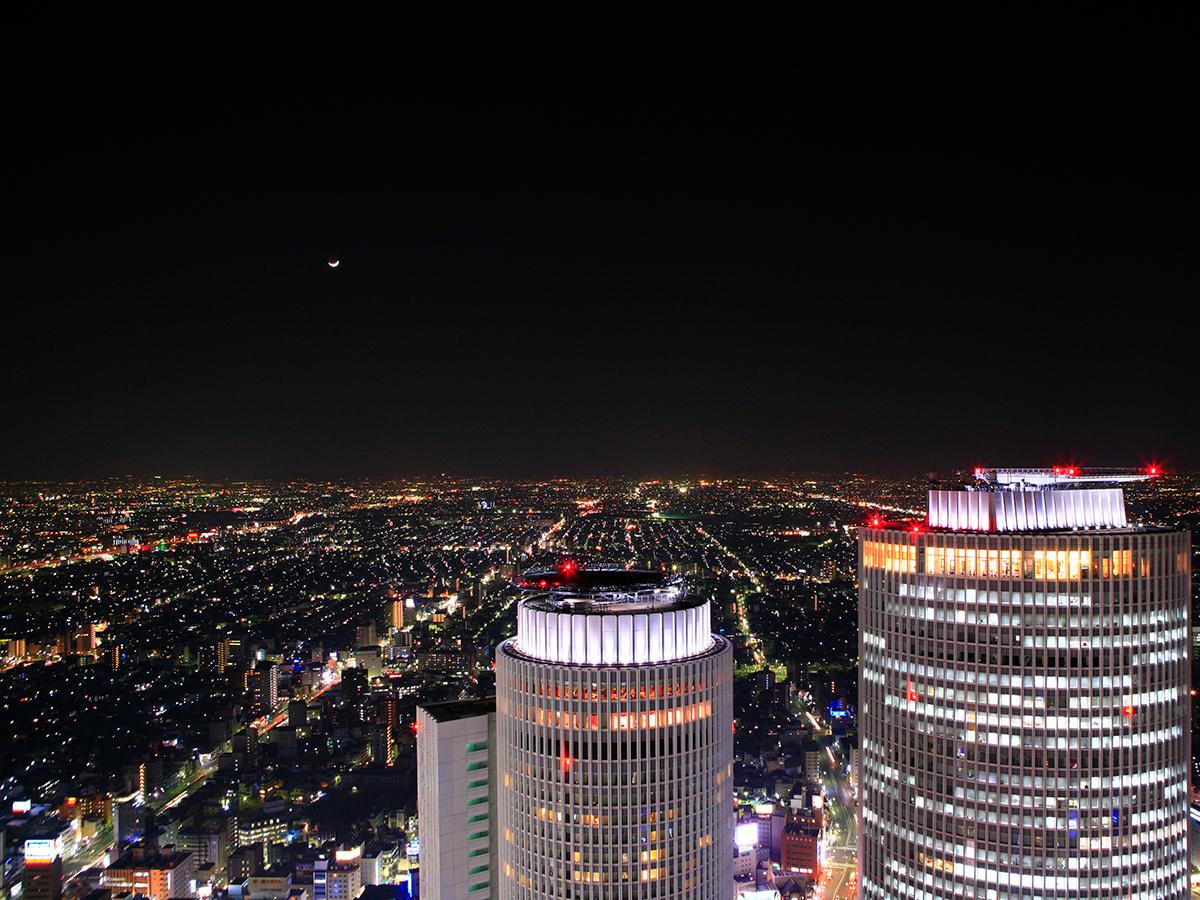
x=334 y=263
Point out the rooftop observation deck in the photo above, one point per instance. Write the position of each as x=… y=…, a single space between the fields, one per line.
x=570 y=587
x=609 y=615
x=1054 y=500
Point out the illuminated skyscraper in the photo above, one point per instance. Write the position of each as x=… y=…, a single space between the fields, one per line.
x=614 y=743
x=1024 y=696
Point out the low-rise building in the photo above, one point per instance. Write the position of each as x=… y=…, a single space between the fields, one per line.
x=157 y=874
x=336 y=880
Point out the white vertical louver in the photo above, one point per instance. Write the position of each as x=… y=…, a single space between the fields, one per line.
x=612 y=637
x=1027 y=510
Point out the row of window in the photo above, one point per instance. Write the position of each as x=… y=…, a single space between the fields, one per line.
x=1016 y=843
x=617 y=721
x=1039 y=565
x=644 y=692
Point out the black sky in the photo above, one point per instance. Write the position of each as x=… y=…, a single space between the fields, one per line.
x=874 y=243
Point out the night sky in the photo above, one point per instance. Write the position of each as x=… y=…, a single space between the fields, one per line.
x=882 y=244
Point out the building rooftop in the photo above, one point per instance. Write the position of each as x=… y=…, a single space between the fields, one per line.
x=571 y=577
x=1058 y=500
x=602 y=588
x=1059 y=477
x=459 y=709
x=150 y=857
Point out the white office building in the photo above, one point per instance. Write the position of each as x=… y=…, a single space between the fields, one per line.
x=456 y=799
x=614 y=742
x=1024 y=703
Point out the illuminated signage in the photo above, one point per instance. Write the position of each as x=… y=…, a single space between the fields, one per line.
x=22 y=806
x=745 y=835
x=41 y=851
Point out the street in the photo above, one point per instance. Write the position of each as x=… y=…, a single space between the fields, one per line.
x=839 y=879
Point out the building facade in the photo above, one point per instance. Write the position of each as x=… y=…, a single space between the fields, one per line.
x=456 y=799
x=157 y=874
x=800 y=843
x=1024 y=697
x=267 y=828
x=336 y=880
x=264 y=685
x=614 y=742
x=43 y=875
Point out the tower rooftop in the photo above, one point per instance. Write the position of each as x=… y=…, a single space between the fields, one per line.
x=571 y=587
x=1059 y=477
x=609 y=615
x=1028 y=500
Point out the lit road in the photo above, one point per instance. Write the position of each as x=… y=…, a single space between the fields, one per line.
x=94 y=854
x=264 y=725
x=743 y=620
x=90 y=856
x=191 y=786
x=839 y=881
x=161 y=545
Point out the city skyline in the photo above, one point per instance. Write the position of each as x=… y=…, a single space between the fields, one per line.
x=601 y=460
x=273 y=686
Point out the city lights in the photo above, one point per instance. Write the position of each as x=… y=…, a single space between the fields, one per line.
x=328 y=669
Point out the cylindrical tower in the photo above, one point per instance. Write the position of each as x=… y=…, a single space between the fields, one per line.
x=1024 y=701
x=615 y=747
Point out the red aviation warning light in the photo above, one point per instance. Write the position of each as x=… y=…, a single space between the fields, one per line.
x=1127 y=712
x=568 y=567
x=1153 y=470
